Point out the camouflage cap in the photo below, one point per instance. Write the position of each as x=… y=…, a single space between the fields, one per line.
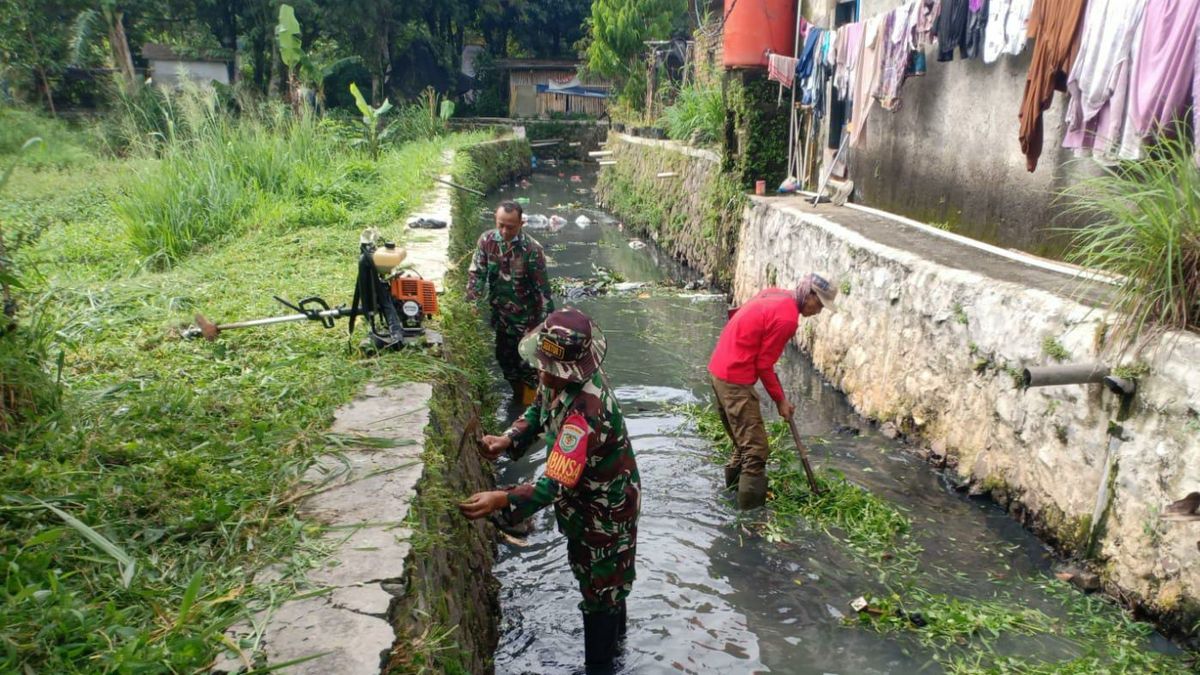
x=568 y=344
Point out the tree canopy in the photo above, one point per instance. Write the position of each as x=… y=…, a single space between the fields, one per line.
x=402 y=46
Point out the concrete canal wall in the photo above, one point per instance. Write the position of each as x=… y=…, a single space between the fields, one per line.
x=931 y=339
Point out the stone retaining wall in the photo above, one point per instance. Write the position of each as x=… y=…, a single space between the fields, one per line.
x=934 y=349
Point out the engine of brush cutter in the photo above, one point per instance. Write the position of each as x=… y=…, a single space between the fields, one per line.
x=395 y=302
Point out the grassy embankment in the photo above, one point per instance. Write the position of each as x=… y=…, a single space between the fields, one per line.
x=179 y=459
x=960 y=632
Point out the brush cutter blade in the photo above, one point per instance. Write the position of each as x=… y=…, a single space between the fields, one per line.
x=208 y=329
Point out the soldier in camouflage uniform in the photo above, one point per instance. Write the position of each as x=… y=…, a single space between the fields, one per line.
x=511 y=266
x=591 y=475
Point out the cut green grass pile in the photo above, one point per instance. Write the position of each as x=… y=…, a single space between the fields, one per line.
x=962 y=633
x=870 y=526
x=178 y=458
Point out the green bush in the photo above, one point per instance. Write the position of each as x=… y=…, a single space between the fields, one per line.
x=1145 y=227
x=697 y=115
x=62 y=146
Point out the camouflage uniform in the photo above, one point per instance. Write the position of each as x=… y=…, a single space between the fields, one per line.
x=599 y=515
x=518 y=290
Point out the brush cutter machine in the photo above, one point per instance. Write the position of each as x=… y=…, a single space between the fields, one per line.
x=395 y=303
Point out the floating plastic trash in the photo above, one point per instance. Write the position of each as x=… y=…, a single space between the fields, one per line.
x=536 y=221
x=582 y=222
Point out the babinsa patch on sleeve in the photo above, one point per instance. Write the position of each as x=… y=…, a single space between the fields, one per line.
x=569 y=455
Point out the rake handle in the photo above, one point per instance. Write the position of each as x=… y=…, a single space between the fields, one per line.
x=800 y=448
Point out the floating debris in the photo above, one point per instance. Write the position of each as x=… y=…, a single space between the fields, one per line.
x=576 y=179
x=582 y=222
x=557 y=223
x=626 y=286
x=637 y=244
x=536 y=221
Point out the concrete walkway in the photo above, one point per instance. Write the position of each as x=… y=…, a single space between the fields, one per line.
x=427 y=249
x=899 y=234
x=362 y=494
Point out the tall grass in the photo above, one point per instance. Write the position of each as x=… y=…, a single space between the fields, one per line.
x=697 y=115
x=218 y=171
x=182 y=457
x=1145 y=227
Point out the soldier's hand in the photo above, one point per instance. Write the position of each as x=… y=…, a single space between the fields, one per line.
x=785 y=408
x=482 y=504
x=494 y=446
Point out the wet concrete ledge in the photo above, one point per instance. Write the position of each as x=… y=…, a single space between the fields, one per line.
x=929 y=339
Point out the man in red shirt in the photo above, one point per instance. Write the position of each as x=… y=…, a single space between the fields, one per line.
x=746 y=352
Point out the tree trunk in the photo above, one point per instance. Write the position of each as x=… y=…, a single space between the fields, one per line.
x=46 y=90
x=40 y=70
x=229 y=39
x=120 y=50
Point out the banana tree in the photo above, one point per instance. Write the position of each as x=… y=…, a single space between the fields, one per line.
x=375 y=131
x=303 y=70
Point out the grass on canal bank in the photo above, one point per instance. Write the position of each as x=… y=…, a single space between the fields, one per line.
x=962 y=633
x=171 y=465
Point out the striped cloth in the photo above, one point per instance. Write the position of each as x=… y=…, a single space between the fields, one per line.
x=782 y=69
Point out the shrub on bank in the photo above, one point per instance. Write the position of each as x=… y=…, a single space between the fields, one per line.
x=63 y=144
x=1145 y=228
x=697 y=116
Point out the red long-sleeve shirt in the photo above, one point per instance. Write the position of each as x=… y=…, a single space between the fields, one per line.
x=754 y=339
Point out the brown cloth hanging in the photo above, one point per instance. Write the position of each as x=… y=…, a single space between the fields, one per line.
x=1054 y=25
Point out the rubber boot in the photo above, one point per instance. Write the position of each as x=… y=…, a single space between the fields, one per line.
x=599 y=642
x=752 y=492
x=622 y=624
x=732 y=473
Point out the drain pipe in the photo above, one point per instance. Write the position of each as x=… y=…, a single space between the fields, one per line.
x=1078 y=373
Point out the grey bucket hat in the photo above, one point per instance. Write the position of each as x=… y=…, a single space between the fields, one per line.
x=568 y=344
x=826 y=291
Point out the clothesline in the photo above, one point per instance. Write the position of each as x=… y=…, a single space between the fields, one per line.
x=1130 y=65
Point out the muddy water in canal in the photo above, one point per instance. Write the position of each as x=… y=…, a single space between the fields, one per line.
x=712 y=595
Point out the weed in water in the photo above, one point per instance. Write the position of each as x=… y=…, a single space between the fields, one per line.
x=868 y=525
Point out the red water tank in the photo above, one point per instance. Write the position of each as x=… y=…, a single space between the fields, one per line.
x=754 y=27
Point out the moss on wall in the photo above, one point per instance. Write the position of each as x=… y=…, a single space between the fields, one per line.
x=756 y=129
x=694 y=215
